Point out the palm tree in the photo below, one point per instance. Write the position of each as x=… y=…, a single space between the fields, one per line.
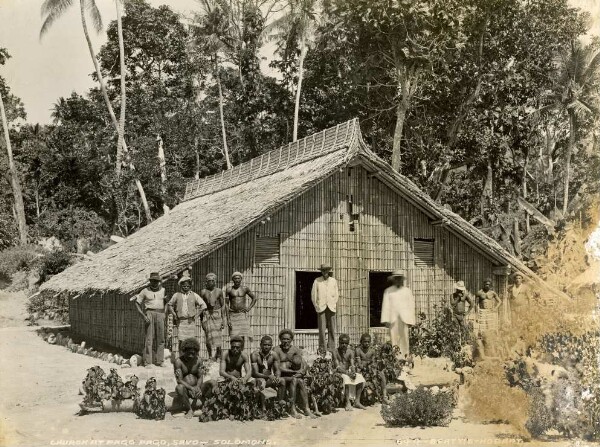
x=51 y=11
x=14 y=179
x=295 y=27
x=576 y=94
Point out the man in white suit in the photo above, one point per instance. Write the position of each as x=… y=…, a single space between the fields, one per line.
x=325 y=296
x=398 y=311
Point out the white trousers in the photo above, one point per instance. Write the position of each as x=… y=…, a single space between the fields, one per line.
x=399 y=336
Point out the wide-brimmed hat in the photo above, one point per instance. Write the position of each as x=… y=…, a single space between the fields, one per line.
x=325 y=266
x=460 y=285
x=154 y=276
x=185 y=277
x=518 y=274
x=397 y=273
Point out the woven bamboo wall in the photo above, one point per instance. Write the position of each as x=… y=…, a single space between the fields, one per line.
x=315 y=228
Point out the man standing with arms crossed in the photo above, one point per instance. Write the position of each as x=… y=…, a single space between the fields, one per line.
x=325 y=295
x=398 y=311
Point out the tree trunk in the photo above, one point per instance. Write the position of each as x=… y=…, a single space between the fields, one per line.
x=121 y=127
x=568 y=161
x=303 y=50
x=19 y=206
x=516 y=237
x=524 y=184
x=223 y=132
x=407 y=78
x=163 y=173
x=197 y=173
x=101 y=82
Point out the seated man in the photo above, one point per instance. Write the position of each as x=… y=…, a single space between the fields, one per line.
x=190 y=383
x=264 y=368
x=233 y=360
x=290 y=357
x=343 y=362
x=364 y=356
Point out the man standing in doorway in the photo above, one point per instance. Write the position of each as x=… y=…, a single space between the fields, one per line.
x=150 y=303
x=325 y=296
x=237 y=310
x=398 y=311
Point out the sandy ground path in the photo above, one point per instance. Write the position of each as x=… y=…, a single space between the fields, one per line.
x=39 y=386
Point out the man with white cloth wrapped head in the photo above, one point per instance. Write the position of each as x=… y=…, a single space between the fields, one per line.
x=398 y=311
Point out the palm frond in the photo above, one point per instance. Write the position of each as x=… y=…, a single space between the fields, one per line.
x=579 y=107
x=94 y=12
x=51 y=10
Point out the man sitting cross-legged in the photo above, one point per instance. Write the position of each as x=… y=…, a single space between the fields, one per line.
x=364 y=356
x=188 y=373
x=265 y=365
x=233 y=360
x=290 y=357
x=343 y=362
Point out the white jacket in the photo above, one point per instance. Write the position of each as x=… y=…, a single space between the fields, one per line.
x=325 y=294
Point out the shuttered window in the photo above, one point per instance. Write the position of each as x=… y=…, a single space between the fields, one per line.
x=267 y=250
x=424 y=252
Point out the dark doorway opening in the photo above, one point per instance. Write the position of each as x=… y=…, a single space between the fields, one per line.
x=306 y=315
x=378 y=282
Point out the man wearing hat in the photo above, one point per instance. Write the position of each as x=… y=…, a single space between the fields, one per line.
x=325 y=295
x=519 y=294
x=237 y=308
x=214 y=316
x=459 y=303
x=185 y=306
x=398 y=311
x=150 y=303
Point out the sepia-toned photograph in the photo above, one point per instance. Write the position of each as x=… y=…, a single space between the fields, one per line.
x=299 y=222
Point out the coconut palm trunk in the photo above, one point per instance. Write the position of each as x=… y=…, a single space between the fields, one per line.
x=570 y=146
x=303 y=51
x=223 y=132
x=121 y=126
x=19 y=206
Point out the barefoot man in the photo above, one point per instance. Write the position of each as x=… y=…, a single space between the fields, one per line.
x=292 y=370
x=214 y=316
x=364 y=356
x=265 y=365
x=189 y=378
x=237 y=311
x=186 y=307
x=233 y=360
x=343 y=362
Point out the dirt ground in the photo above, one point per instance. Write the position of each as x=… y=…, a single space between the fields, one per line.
x=39 y=386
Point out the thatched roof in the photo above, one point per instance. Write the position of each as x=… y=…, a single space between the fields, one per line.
x=249 y=193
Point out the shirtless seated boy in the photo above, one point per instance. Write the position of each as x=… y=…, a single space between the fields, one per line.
x=233 y=361
x=265 y=365
x=190 y=381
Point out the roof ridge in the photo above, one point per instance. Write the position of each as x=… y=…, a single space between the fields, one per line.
x=308 y=148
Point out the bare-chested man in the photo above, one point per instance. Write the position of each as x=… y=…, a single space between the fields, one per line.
x=237 y=310
x=343 y=362
x=265 y=365
x=291 y=370
x=190 y=384
x=214 y=316
x=364 y=356
x=233 y=360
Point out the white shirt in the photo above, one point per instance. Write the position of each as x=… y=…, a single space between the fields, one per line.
x=325 y=293
x=398 y=302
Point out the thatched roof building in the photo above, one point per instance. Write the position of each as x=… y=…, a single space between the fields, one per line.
x=333 y=173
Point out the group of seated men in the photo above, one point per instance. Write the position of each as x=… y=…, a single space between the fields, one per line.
x=281 y=368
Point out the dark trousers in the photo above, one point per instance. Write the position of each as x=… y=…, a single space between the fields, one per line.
x=154 y=343
x=327 y=320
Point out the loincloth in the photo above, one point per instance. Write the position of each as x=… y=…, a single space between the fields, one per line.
x=212 y=328
x=240 y=324
x=357 y=380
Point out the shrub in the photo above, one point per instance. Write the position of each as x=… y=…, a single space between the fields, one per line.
x=232 y=400
x=18 y=258
x=442 y=337
x=52 y=263
x=419 y=408
x=386 y=359
x=326 y=387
